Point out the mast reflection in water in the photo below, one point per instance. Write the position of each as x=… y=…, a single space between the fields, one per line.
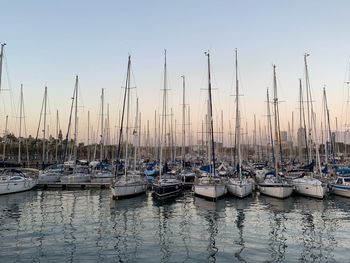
x=87 y=226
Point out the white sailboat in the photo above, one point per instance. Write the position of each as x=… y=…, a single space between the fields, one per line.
x=308 y=185
x=166 y=184
x=210 y=185
x=80 y=173
x=274 y=185
x=101 y=172
x=238 y=186
x=13 y=181
x=132 y=182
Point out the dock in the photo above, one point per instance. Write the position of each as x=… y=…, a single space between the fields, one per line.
x=73 y=185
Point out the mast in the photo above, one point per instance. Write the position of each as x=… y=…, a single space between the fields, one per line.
x=75 y=124
x=126 y=166
x=270 y=131
x=309 y=106
x=122 y=116
x=183 y=122
x=210 y=117
x=277 y=119
x=164 y=114
x=44 y=130
x=5 y=140
x=1 y=61
x=88 y=137
x=20 y=125
x=238 y=122
x=56 y=146
x=102 y=120
x=135 y=132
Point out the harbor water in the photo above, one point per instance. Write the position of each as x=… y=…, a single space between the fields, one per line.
x=88 y=226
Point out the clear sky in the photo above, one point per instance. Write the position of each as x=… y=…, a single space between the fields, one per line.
x=48 y=42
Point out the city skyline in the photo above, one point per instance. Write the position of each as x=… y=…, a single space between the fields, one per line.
x=94 y=40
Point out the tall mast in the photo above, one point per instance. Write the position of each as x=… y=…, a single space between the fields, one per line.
x=102 y=120
x=20 y=125
x=88 y=137
x=210 y=116
x=44 y=130
x=183 y=122
x=126 y=166
x=309 y=105
x=1 y=61
x=238 y=122
x=56 y=146
x=135 y=132
x=270 y=130
x=5 y=140
x=164 y=114
x=277 y=120
x=122 y=115
x=75 y=124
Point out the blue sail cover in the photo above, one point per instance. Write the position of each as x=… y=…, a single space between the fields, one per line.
x=343 y=170
x=206 y=168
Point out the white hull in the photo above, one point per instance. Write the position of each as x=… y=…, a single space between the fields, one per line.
x=342 y=191
x=120 y=191
x=210 y=191
x=17 y=186
x=276 y=190
x=128 y=186
x=106 y=178
x=49 y=178
x=77 y=178
x=239 y=188
x=309 y=187
x=209 y=187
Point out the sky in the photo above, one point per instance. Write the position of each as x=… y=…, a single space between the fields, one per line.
x=49 y=42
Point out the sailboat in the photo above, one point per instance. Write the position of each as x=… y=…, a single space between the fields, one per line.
x=132 y=182
x=238 y=186
x=80 y=173
x=186 y=174
x=273 y=185
x=166 y=184
x=102 y=172
x=308 y=185
x=14 y=180
x=210 y=185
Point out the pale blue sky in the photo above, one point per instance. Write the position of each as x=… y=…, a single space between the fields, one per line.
x=48 y=42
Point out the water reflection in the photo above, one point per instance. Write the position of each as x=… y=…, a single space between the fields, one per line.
x=185 y=224
x=317 y=229
x=240 y=205
x=127 y=220
x=211 y=212
x=277 y=236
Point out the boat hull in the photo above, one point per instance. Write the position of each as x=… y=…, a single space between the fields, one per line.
x=15 y=187
x=128 y=190
x=49 y=178
x=276 y=190
x=163 y=190
x=210 y=191
x=239 y=188
x=340 y=190
x=311 y=188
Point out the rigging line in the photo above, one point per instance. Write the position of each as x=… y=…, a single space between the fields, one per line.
x=41 y=112
x=9 y=84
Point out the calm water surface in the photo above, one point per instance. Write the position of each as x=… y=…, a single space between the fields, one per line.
x=87 y=226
